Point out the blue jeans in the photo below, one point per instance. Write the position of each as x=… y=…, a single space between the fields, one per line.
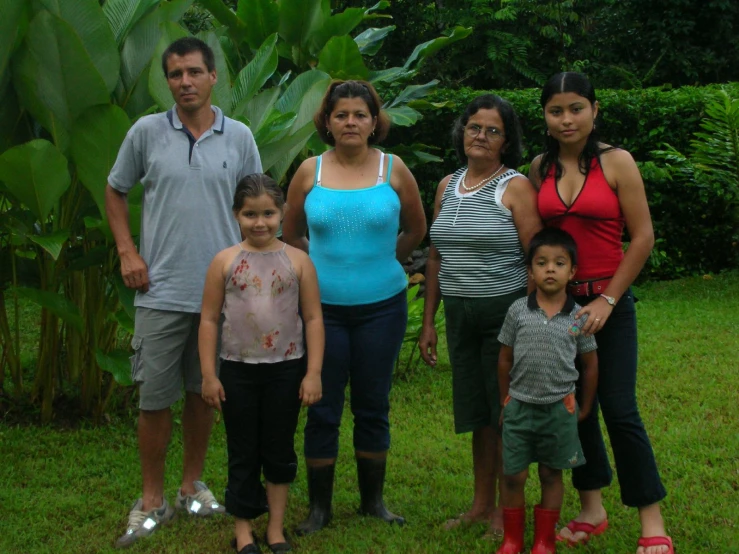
x=635 y=464
x=362 y=344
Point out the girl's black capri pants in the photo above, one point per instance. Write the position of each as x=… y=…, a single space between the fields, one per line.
x=261 y=414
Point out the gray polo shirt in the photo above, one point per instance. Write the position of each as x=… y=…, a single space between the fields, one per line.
x=188 y=193
x=544 y=350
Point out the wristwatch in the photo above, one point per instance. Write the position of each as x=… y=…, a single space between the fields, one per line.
x=610 y=299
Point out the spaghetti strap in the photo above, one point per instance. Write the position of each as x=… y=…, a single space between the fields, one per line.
x=382 y=167
x=284 y=245
x=389 y=166
x=318 y=170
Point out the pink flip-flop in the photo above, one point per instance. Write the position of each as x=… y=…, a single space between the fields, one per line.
x=646 y=542
x=589 y=529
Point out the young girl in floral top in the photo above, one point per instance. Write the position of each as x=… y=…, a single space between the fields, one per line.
x=260 y=285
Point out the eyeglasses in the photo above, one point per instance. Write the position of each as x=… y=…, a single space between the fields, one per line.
x=491 y=133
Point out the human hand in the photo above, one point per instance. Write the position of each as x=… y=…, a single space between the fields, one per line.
x=311 y=390
x=134 y=271
x=583 y=415
x=427 y=344
x=598 y=312
x=212 y=392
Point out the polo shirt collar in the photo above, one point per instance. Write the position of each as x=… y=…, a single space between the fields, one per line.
x=569 y=304
x=218 y=123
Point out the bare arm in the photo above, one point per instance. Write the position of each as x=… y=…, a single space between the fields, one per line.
x=520 y=198
x=133 y=267
x=210 y=315
x=505 y=363
x=621 y=170
x=412 y=217
x=589 y=384
x=534 y=172
x=294 y=224
x=432 y=296
x=310 y=306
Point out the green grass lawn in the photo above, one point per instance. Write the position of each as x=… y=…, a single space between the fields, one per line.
x=69 y=490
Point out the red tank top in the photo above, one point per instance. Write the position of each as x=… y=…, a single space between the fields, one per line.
x=594 y=219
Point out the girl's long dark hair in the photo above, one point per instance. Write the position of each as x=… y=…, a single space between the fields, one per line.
x=578 y=83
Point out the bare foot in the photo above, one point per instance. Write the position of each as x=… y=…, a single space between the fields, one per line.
x=652 y=525
x=468 y=518
x=594 y=518
x=662 y=549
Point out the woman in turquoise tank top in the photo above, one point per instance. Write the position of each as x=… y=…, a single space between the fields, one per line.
x=353 y=200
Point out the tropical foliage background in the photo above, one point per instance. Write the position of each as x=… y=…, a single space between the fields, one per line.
x=75 y=75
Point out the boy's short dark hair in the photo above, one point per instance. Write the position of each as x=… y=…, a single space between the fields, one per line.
x=187 y=45
x=552 y=236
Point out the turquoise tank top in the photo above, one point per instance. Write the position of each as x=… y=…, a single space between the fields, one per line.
x=353 y=234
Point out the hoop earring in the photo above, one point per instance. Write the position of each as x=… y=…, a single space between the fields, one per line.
x=372 y=134
x=594 y=126
x=328 y=131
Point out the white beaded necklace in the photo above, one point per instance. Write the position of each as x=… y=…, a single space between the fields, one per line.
x=481 y=183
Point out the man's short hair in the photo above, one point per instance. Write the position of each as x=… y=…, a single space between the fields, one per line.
x=552 y=236
x=187 y=45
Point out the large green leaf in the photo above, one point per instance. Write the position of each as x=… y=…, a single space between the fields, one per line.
x=52 y=243
x=221 y=93
x=370 y=40
x=412 y=92
x=122 y=15
x=281 y=151
x=25 y=74
x=87 y=19
x=57 y=304
x=390 y=75
x=36 y=174
x=66 y=81
x=342 y=59
x=226 y=16
x=117 y=363
x=256 y=108
x=299 y=19
x=425 y=49
x=96 y=137
x=255 y=74
x=262 y=18
x=12 y=128
x=11 y=29
x=337 y=25
x=275 y=126
x=296 y=92
x=404 y=116
x=158 y=87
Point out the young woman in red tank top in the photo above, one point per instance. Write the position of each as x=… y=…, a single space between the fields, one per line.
x=593 y=190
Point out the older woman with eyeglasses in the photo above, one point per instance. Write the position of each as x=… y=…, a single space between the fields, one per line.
x=484 y=216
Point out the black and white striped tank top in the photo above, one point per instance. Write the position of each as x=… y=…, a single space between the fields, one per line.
x=481 y=255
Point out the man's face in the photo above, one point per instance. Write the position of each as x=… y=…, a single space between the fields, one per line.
x=190 y=81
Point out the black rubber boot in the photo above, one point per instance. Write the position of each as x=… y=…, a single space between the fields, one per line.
x=320 y=493
x=371 y=473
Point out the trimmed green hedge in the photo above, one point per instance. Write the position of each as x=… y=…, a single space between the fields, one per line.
x=695 y=233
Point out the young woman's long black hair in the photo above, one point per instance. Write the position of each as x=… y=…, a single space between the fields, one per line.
x=578 y=83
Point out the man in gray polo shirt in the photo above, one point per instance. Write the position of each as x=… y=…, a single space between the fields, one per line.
x=188 y=160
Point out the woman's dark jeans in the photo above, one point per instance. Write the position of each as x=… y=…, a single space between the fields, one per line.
x=362 y=344
x=635 y=464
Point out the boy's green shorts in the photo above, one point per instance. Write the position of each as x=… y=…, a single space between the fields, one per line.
x=542 y=433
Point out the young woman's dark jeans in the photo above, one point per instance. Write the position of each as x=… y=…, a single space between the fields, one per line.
x=261 y=414
x=362 y=344
x=635 y=464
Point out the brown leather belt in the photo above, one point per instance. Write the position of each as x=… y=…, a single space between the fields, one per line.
x=589 y=288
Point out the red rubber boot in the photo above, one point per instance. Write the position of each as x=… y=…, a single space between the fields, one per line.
x=514 y=521
x=545 y=522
